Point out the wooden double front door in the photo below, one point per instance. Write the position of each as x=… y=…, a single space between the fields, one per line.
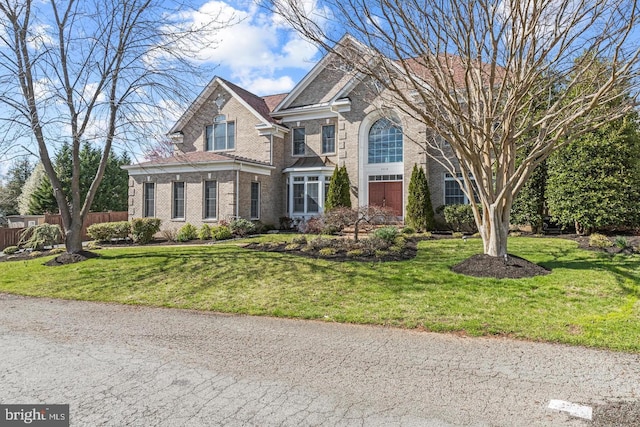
x=387 y=194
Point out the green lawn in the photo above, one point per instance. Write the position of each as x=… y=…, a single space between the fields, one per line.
x=590 y=298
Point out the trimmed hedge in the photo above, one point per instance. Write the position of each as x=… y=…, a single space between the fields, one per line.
x=106 y=231
x=143 y=229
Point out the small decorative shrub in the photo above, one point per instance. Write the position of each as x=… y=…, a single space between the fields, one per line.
x=292 y=247
x=460 y=218
x=381 y=253
x=187 y=232
x=286 y=223
x=143 y=229
x=106 y=231
x=327 y=251
x=205 y=232
x=320 y=243
x=37 y=237
x=355 y=253
x=169 y=234
x=597 y=240
x=56 y=251
x=387 y=234
x=457 y=235
x=396 y=249
x=400 y=241
x=35 y=254
x=313 y=225
x=373 y=244
x=221 y=232
x=408 y=230
x=427 y=234
x=241 y=227
x=301 y=240
x=515 y=234
x=10 y=250
x=621 y=242
x=93 y=245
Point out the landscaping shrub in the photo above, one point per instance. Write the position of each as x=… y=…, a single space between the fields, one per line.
x=313 y=225
x=460 y=218
x=143 y=229
x=597 y=240
x=621 y=242
x=327 y=251
x=320 y=243
x=354 y=253
x=106 y=231
x=292 y=247
x=10 y=250
x=300 y=240
x=37 y=237
x=419 y=213
x=205 y=232
x=221 y=232
x=186 y=233
x=338 y=193
x=387 y=234
x=56 y=251
x=241 y=227
x=286 y=223
x=35 y=254
x=408 y=230
x=169 y=234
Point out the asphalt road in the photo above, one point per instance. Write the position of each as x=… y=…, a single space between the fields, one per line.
x=120 y=365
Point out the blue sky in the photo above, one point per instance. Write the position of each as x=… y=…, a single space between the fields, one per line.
x=258 y=52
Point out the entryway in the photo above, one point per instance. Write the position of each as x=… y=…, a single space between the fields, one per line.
x=386 y=194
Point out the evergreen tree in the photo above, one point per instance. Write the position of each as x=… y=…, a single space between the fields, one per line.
x=529 y=206
x=18 y=174
x=29 y=187
x=111 y=194
x=595 y=181
x=420 y=214
x=338 y=194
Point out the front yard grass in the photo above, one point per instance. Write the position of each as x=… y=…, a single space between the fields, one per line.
x=590 y=298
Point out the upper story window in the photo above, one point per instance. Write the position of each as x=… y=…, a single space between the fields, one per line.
x=221 y=135
x=385 y=142
x=328 y=139
x=299 y=141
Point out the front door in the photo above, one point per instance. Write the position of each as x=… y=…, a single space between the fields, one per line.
x=386 y=194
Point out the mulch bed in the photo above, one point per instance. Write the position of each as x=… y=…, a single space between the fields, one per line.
x=409 y=251
x=510 y=267
x=66 y=258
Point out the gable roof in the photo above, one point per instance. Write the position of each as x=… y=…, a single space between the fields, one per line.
x=259 y=106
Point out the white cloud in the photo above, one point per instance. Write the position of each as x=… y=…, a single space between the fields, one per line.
x=257 y=49
x=271 y=86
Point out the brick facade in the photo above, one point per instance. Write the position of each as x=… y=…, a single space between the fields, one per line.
x=263 y=151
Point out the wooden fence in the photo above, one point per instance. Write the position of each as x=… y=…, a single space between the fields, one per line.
x=11 y=236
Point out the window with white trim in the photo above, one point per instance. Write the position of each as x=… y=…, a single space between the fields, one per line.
x=210 y=199
x=299 y=141
x=453 y=194
x=308 y=194
x=149 y=208
x=220 y=136
x=328 y=139
x=177 y=211
x=255 y=200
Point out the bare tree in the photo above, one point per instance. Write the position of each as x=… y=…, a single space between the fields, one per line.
x=488 y=78
x=94 y=71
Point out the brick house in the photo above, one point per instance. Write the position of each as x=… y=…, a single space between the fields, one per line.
x=261 y=158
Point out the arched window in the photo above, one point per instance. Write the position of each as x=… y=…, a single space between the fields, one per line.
x=385 y=142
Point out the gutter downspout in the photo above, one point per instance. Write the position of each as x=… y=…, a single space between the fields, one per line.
x=238 y=192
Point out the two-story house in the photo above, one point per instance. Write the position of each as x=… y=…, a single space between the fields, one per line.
x=262 y=158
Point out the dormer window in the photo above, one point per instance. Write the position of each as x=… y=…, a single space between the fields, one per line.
x=221 y=135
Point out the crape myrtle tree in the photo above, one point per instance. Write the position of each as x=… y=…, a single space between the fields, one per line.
x=92 y=70
x=480 y=76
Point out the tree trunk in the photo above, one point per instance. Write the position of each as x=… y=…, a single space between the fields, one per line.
x=494 y=231
x=73 y=236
